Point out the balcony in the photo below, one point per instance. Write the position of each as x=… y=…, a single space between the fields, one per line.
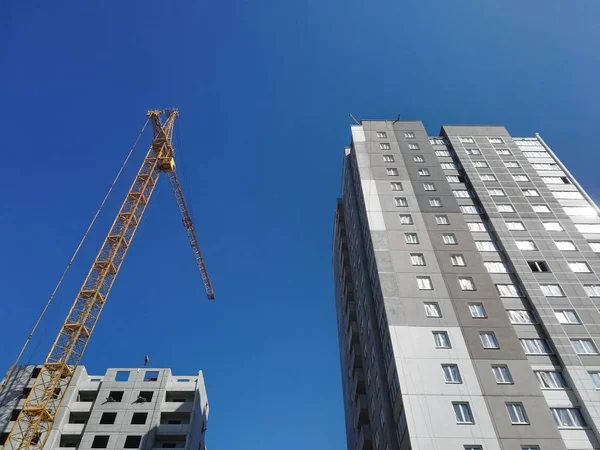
x=362 y=411
x=365 y=439
x=356 y=357
x=358 y=383
x=172 y=429
x=353 y=335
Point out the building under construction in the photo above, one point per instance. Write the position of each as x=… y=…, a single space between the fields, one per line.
x=124 y=408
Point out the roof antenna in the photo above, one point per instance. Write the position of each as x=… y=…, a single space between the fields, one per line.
x=396 y=119
x=357 y=123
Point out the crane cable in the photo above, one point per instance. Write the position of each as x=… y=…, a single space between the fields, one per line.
x=12 y=368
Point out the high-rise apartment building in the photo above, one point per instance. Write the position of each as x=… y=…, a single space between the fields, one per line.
x=467 y=288
x=125 y=408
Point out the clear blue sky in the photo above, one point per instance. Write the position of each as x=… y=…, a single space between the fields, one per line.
x=264 y=90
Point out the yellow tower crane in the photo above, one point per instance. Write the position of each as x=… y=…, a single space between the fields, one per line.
x=33 y=425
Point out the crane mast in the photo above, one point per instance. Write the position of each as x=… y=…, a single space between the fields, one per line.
x=32 y=427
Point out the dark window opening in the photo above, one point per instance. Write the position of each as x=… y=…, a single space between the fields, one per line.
x=78 y=417
x=139 y=418
x=25 y=392
x=87 y=396
x=174 y=422
x=56 y=393
x=538 y=266
x=70 y=440
x=36 y=372
x=145 y=396
x=132 y=442
x=100 y=442
x=565 y=180
x=15 y=414
x=169 y=445
x=114 y=396
x=36 y=438
x=3 y=438
x=108 y=418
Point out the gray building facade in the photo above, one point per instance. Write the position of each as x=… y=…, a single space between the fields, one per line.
x=467 y=292
x=139 y=408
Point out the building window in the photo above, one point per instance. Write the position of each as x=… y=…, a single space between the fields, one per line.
x=435 y=202
x=132 y=442
x=568 y=418
x=580 y=211
x=516 y=412
x=567 y=195
x=526 y=245
x=425 y=283
x=545 y=166
x=477 y=226
x=505 y=208
x=488 y=340
x=458 y=260
x=553 y=226
x=520 y=316
x=469 y=209
x=567 y=316
x=100 y=441
x=381 y=134
x=449 y=239
x=449 y=165
x=515 y=226
x=411 y=238
x=443 y=153
x=502 y=374
x=565 y=245
x=451 y=374
x=462 y=412
x=496 y=192
x=480 y=164
x=401 y=201
x=429 y=186
x=531 y=193
x=466 y=283
x=508 y=290
x=423 y=172
x=384 y=146
x=556 y=180
x=552 y=290
x=453 y=179
x=477 y=310
x=405 y=219
x=473 y=151
x=461 y=193
x=413 y=146
x=495 y=267
x=579 y=267
x=593 y=290
x=584 y=347
x=487 y=177
x=503 y=152
x=442 y=220
x=388 y=158
x=473 y=447
x=392 y=172
x=467 y=140
x=487 y=246
x=595 y=378
x=541 y=208
x=536 y=154
x=409 y=135
x=441 y=339
x=438 y=141
x=417 y=259
x=535 y=346
x=432 y=309
x=550 y=379
x=538 y=266
x=396 y=186
x=520 y=177
x=495 y=140
x=587 y=228
x=139 y=418
x=418 y=159
x=108 y=418
x=511 y=164
x=595 y=246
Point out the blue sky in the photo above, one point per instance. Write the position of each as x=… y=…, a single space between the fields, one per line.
x=264 y=90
